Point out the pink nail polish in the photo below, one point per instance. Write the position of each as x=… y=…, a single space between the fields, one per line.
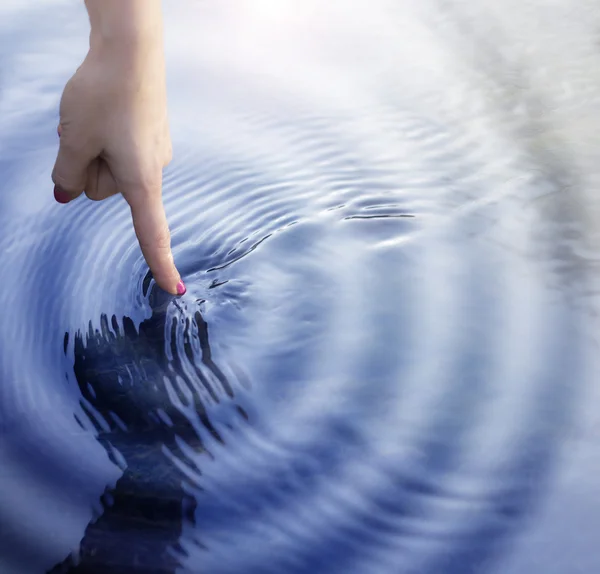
x=181 y=290
x=61 y=196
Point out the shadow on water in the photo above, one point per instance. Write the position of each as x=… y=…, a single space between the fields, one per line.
x=126 y=377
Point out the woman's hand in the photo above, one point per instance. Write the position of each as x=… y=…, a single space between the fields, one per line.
x=114 y=131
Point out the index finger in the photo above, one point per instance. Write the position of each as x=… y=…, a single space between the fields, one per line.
x=152 y=230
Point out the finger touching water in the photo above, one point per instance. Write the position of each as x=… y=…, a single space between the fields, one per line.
x=152 y=231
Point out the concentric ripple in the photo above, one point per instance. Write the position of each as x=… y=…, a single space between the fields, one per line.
x=382 y=350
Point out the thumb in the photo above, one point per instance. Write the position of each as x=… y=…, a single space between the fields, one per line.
x=152 y=231
x=70 y=170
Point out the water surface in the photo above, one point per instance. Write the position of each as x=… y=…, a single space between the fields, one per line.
x=386 y=216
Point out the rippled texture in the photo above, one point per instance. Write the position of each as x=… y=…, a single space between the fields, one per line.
x=386 y=216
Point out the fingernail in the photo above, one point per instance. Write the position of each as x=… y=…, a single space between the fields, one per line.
x=181 y=290
x=60 y=195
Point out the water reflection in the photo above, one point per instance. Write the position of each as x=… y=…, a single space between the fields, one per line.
x=127 y=378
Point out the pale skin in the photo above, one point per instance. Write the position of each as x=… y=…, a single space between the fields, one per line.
x=114 y=130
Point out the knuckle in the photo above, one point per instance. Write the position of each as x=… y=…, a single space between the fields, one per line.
x=70 y=145
x=65 y=184
x=150 y=179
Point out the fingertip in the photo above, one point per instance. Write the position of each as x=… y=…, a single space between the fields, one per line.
x=172 y=286
x=61 y=196
x=165 y=273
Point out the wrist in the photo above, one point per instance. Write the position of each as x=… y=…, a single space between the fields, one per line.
x=125 y=26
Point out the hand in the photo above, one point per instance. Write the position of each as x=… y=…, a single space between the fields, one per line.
x=114 y=138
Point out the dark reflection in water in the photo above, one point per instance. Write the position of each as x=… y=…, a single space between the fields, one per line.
x=125 y=377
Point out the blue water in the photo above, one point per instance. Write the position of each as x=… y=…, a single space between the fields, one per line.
x=386 y=215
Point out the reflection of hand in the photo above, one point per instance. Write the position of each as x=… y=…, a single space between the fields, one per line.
x=114 y=132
